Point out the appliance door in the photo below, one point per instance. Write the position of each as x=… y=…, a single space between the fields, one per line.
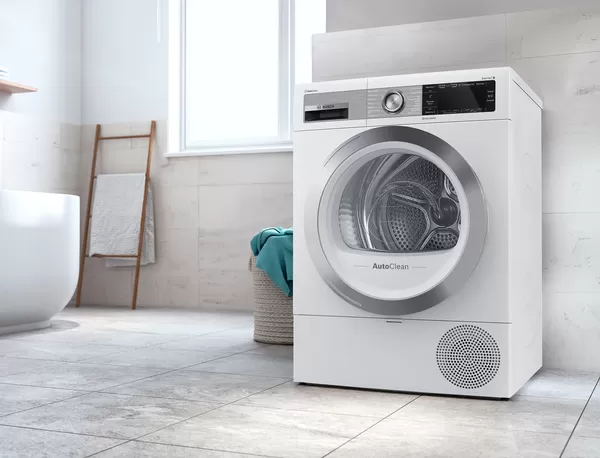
x=397 y=222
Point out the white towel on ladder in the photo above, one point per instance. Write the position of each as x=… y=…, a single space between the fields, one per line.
x=116 y=215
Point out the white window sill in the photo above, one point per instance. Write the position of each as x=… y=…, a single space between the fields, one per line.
x=226 y=150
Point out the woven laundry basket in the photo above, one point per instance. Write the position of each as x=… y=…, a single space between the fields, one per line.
x=273 y=313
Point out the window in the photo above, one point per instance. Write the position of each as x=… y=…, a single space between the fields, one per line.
x=233 y=66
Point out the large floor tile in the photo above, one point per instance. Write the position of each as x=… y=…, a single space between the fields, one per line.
x=79 y=376
x=15 y=398
x=279 y=351
x=292 y=396
x=532 y=414
x=406 y=439
x=199 y=386
x=87 y=335
x=559 y=384
x=153 y=357
x=25 y=443
x=54 y=351
x=589 y=425
x=261 y=431
x=146 y=450
x=109 y=415
x=194 y=325
x=9 y=366
x=246 y=333
x=582 y=447
x=250 y=364
x=214 y=342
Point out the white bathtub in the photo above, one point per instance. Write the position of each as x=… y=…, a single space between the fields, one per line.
x=39 y=257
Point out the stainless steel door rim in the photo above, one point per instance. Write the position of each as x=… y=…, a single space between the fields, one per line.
x=385 y=137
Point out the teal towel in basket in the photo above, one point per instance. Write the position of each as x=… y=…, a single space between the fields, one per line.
x=273 y=248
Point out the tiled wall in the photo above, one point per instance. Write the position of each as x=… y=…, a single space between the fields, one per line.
x=558 y=53
x=38 y=155
x=206 y=209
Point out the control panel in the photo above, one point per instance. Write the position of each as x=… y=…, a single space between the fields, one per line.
x=454 y=98
x=390 y=102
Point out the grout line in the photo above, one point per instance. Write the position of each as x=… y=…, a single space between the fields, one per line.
x=199 y=401
x=183 y=446
x=28 y=370
x=49 y=387
x=579 y=419
x=560 y=54
x=259 y=406
x=46 y=387
x=234 y=373
x=372 y=426
x=78 y=395
x=109 y=448
x=62 y=432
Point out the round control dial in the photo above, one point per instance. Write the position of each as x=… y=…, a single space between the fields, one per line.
x=393 y=102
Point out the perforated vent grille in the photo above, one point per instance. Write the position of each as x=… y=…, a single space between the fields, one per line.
x=468 y=356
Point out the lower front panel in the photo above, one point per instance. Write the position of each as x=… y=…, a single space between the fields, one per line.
x=467 y=359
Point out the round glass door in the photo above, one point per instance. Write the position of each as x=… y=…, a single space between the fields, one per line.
x=398 y=221
x=399 y=203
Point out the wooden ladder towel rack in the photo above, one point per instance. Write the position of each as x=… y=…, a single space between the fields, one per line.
x=88 y=215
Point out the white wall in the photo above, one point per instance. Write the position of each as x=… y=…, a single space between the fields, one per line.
x=361 y=14
x=558 y=53
x=40 y=44
x=124 y=63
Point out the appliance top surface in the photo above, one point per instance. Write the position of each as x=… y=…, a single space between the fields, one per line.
x=420 y=78
x=463 y=95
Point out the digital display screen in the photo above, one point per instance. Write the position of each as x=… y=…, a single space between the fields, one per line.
x=326 y=115
x=454 y=98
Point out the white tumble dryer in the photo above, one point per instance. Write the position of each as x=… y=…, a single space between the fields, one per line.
x=417 y=244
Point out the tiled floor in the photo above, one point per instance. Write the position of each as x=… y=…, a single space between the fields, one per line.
x=182 y=384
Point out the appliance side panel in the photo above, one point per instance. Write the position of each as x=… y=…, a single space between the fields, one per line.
x=525 y=236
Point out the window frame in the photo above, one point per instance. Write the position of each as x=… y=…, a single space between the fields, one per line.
x=177 y=121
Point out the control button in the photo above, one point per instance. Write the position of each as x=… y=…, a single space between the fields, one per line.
x=393 y=102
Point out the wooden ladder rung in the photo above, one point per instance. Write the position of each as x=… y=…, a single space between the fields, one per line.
x=126 y=256
x=124 y=137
